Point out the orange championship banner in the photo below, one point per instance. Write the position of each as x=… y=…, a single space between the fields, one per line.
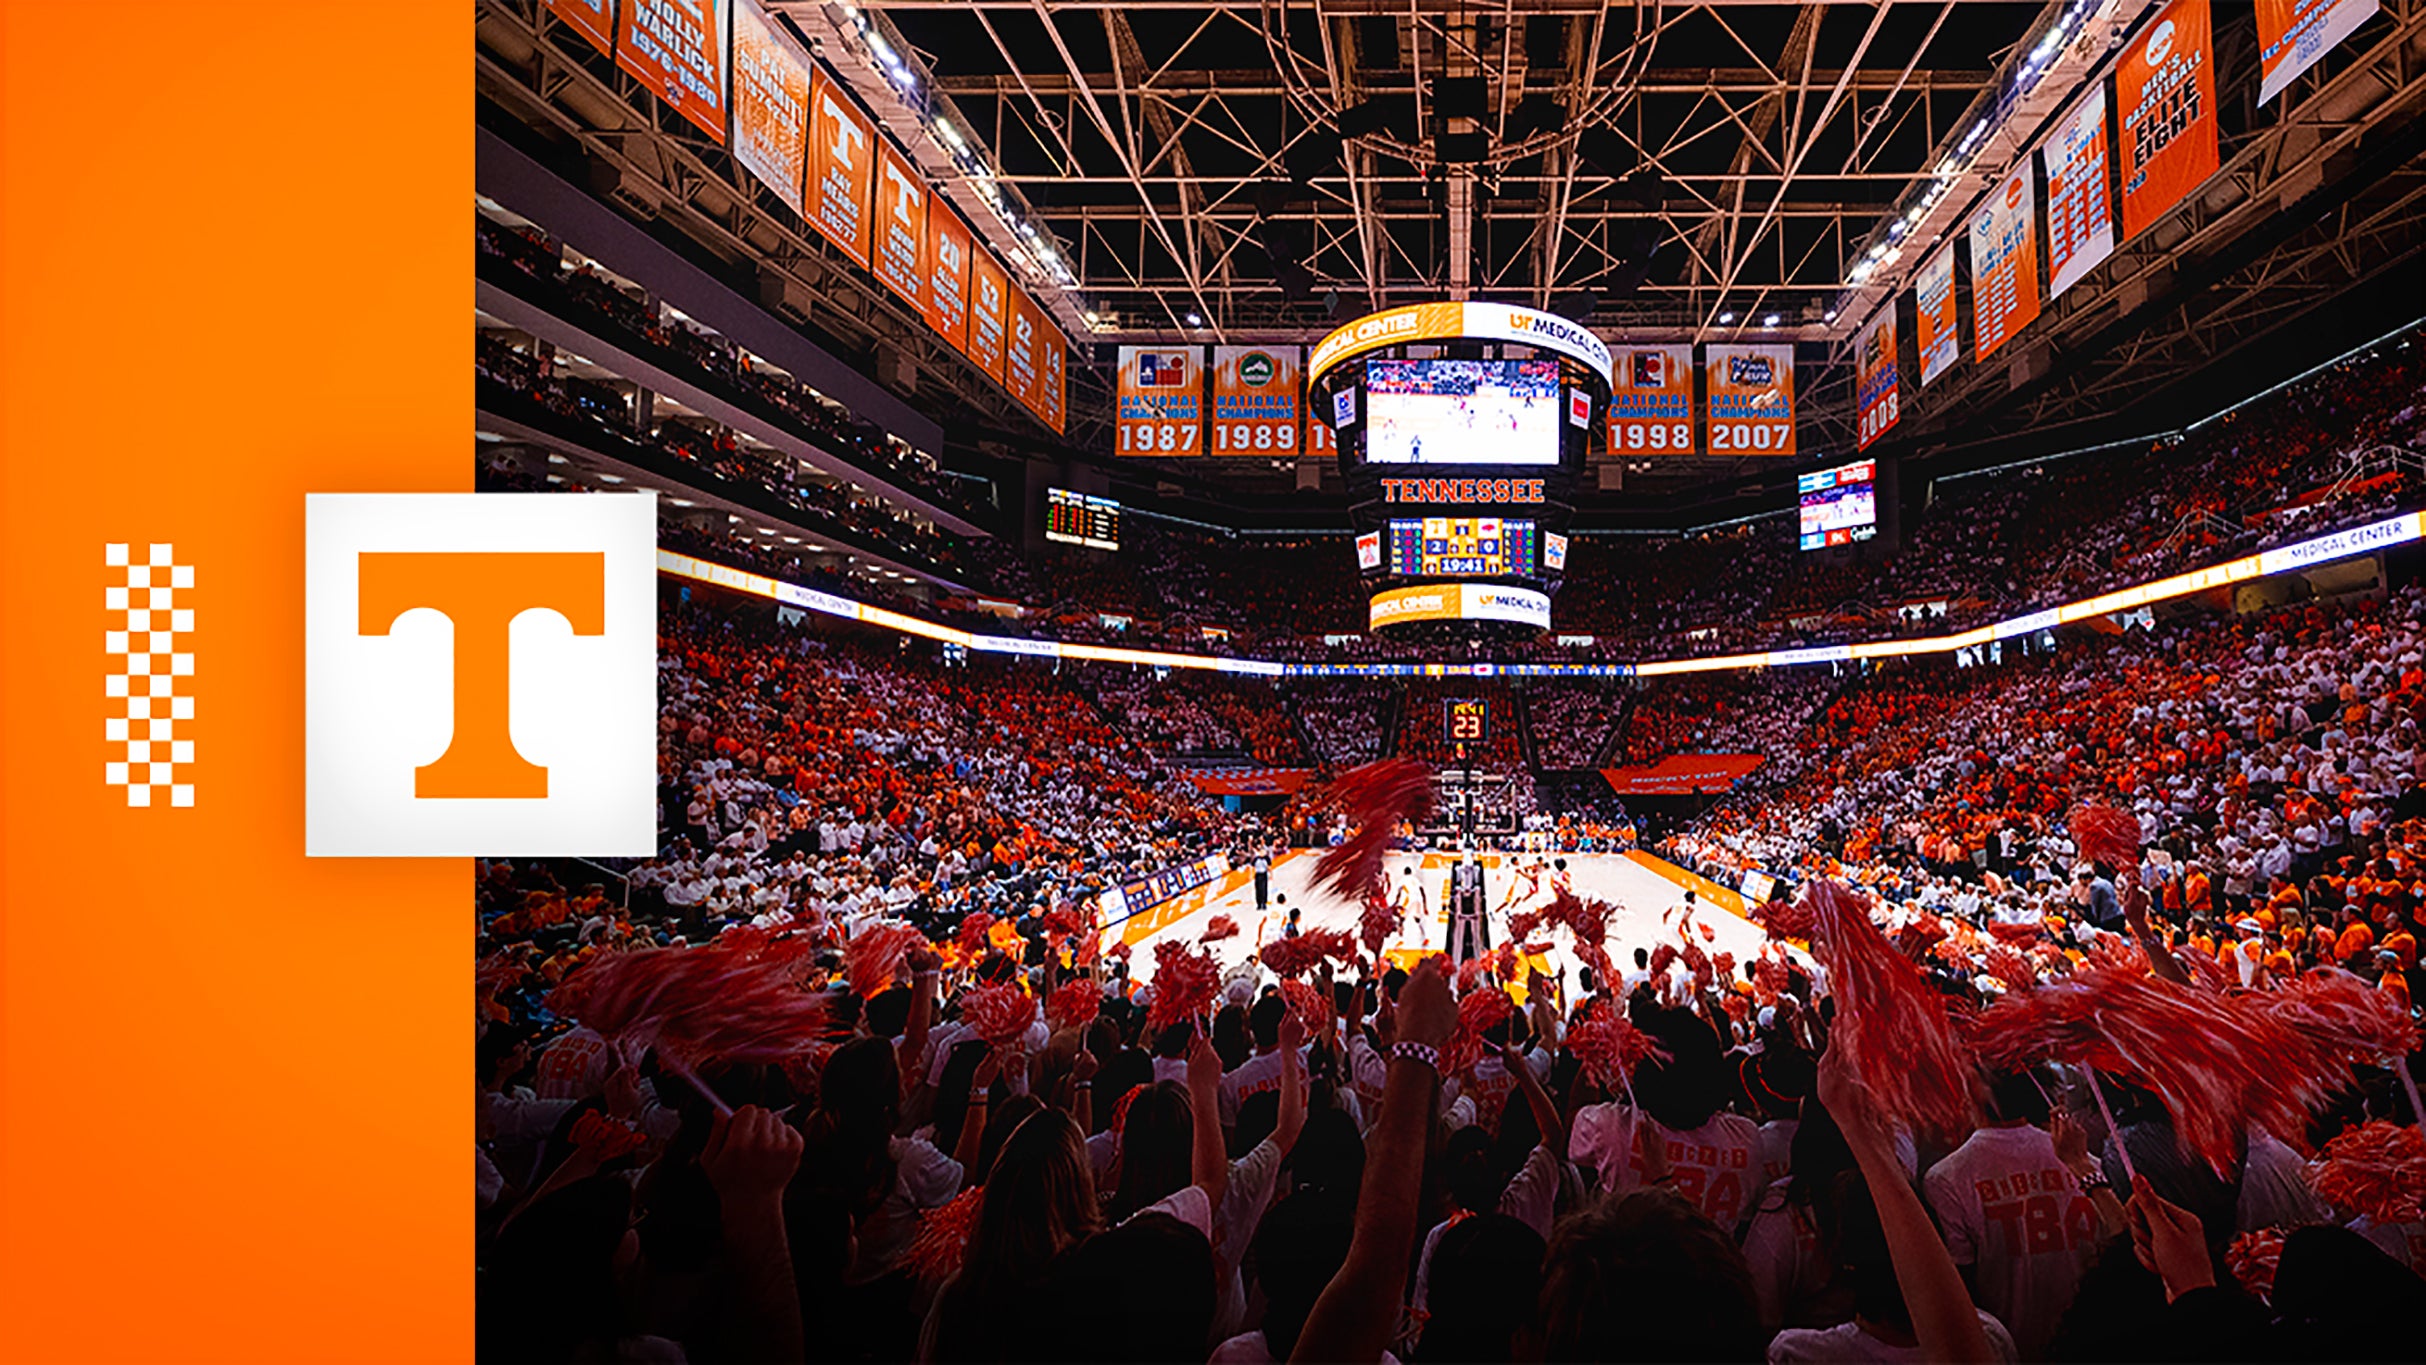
x=592 y=19
x=901 y=227
x=1019 y=368
x=2164 y=94
x=1936 y=338
x=2004 y=264
x=339 y=986
x=770 y=105
x=1751 y=399
x=676 y=48
x=842 y=161
x=947 y=273
x=1875 y=399
x=989 y=312
x=1158 y=401
x=1651 y=400
x=2294 y=35
x=1257 y=400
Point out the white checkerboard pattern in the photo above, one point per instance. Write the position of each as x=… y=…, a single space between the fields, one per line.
x=150 y=647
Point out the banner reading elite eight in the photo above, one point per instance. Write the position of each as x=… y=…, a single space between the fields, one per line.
x=1159 y=400
x=1751 y=404
x=676 y=48
x=1651 y=400
x=901 y=226
x=1874 y=383
x=1935 y=335
x=1255 y=400
x=592 y=19
x=2164 y=88
x=842 y=159
x=2080 y=215
x=2293 y=34
x=770 y=105
x=2004 y=265
x=989 y=312
x=947 y=291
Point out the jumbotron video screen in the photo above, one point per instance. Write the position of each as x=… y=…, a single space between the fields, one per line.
x=1464 y=412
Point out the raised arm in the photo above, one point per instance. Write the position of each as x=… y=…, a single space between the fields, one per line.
x=1537 y=1098
x=749 y=1158
x=1209 y=1158
x=1292 y=1085
x=1358 y=1310
x=1947 y=1326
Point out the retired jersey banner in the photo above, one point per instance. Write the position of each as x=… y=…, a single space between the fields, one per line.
x=900 y=247
x=2004 y=265
x=1651 y=400
x=842 y=158
x=947 y=284
x=2080 y=216
x=676 y=48
x=1874 y=378
x=592 y=19
x=1023 y=337
x=1053 y=379
x=1255 y=400
x=1751 y=404
x=2294 y=34
x=989 y=312
x=1935 y=335
x=2164 y=90
x=1159 y=400
x=770 y=105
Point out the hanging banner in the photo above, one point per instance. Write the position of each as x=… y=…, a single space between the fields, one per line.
x=2164 y=92
x=842 y=156
x=1255 y=400
x=947 y=283
x=770 y=105
x=1935 y=335
x=2004 y=265
x=676 y=49
x=989 y=315
x=2293 y=34
x=1651 y=400
x=1874 y=382
x=592 y=19
x=1751 y=406
x=1019 y=365
x=1159 y=400
x=1053 y=379
x=901 y=226
x=2080 y=217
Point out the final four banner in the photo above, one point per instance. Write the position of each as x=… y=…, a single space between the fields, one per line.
x=1874 y=391
x=1751 y=399
x=2294 y=34
x=2080 y=214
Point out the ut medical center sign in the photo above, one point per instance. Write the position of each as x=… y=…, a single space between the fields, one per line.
x=1459 y=602
x=480 y=675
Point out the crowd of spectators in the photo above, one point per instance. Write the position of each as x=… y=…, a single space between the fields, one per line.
x=1571 y=721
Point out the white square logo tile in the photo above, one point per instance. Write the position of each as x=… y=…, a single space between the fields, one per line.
x=480 y=674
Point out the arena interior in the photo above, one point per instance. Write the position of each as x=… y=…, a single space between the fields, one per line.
x=1472 y=680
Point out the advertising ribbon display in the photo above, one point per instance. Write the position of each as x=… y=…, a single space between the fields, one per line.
x=1651 y=401
x=1936 y=337
x=770 y=105
x=1440 y=321
x=1159 y=399
x=1751 y=403
x=1256 y=400
x=2004 y=265
x=1874 y=385
x=2080 y=216
x=1459 y=602
x=2164 y=88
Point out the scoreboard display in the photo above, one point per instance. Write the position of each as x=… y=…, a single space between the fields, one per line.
x=1081 y=519
x=1466 y=720
x=1440 y=547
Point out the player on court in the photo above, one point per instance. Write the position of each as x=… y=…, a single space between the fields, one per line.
x=1682 y=914
x=1525 y=886
x=1412 y=903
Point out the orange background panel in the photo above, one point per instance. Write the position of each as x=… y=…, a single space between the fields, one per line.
x=231 y=1080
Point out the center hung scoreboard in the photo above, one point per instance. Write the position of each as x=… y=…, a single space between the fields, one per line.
x=1460 y=431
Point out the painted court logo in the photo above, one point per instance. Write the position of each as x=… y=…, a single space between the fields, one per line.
x=480 y=674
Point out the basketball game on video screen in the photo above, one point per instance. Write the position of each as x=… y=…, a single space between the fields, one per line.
x=1493 y=412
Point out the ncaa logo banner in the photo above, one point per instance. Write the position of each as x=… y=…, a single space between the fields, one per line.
x=480 y=675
